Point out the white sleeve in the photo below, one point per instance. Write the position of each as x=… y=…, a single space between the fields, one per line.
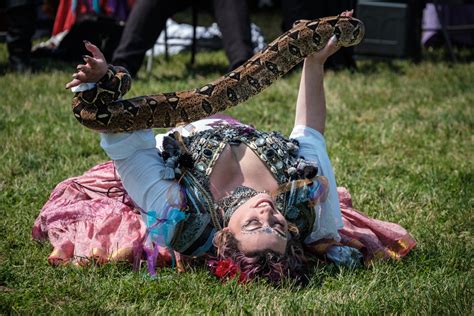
x=328 y=214
x=140 y=168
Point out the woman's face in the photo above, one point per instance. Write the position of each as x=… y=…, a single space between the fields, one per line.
x=258 y=225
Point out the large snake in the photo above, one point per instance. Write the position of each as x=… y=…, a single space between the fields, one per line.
x=102 y=109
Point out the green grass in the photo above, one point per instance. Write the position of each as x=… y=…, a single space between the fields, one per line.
x=400 y=138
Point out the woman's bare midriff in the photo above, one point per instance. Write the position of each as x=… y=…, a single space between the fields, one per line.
x=239 y=165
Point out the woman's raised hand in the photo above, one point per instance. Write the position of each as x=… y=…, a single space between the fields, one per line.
x=93 y=70
x=330 y=48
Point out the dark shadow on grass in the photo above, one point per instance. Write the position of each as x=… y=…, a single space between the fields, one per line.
x=203 y=69
x=3 y=68
x=46 y=65
x=158 y=77
x=198 y=69
x=42 y=65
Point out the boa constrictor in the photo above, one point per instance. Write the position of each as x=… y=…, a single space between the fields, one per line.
x=102 y=109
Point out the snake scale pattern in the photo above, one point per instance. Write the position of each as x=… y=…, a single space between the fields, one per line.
x=102 y=108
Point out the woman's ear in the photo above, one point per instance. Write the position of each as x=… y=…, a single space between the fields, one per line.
x=221 y=239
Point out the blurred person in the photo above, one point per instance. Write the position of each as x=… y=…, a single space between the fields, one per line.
x=21 y=16
x=148 y=19
x=98 y=21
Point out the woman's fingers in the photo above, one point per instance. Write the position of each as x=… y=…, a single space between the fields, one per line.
x=97 y=62
x=348 y=13
x=80 y=76
x=332 y=46
x=93 y=70
x=73 y=83
x=92 y=62
x=96 y=53
x=84 y=68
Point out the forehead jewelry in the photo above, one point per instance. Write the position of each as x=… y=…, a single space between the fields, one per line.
x=233 y=201
x=266 y=230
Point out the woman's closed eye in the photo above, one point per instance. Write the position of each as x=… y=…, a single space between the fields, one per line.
x=252 y=224
x=279 y=229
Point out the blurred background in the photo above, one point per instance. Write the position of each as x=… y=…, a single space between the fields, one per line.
x=133 y=33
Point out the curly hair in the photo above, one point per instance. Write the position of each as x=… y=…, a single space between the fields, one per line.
x=265 y=264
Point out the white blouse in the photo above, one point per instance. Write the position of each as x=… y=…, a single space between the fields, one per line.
x=137 y=160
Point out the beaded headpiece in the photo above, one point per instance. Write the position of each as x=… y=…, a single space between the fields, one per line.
x=230 y=203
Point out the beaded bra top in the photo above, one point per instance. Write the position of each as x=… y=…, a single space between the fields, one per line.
x=194 y=164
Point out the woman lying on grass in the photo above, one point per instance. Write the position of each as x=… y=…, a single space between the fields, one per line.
x=254 y=204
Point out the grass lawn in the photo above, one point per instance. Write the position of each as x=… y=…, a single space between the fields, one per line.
x=400 y=138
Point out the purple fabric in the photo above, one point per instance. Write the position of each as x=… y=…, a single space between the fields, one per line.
x=119 y=9
x=451 y=15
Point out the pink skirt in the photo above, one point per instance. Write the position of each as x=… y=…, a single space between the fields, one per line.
x=91 y=217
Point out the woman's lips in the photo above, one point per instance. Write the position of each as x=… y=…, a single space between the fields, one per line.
x=264 y=202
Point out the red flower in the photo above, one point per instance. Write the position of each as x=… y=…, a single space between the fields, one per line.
x=227 y=269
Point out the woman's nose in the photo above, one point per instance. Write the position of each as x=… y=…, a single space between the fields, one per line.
x=266 y=210
x=267 y=215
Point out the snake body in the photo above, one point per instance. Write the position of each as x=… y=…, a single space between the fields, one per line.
x=102 y=108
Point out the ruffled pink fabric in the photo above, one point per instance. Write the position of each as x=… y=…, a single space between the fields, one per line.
x=376 y=239
x=92 y=217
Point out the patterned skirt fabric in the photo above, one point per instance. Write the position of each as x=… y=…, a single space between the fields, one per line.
x=91 y=218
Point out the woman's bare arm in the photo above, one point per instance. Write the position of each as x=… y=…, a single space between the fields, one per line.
x=311 y=103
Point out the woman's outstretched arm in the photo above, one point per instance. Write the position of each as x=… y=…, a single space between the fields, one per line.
x=310 y=123
x=311 y=102
x=141 y=169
